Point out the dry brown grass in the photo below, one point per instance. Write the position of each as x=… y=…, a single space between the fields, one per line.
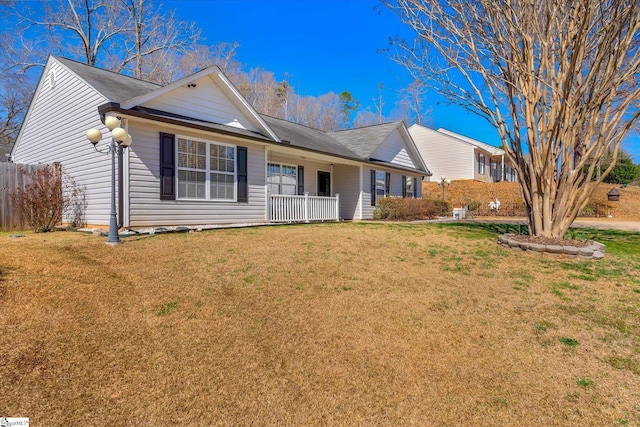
x=463 y=192
x=335 y=324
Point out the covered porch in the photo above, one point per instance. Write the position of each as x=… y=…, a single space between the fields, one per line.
x=308 y=188
x=284 y=208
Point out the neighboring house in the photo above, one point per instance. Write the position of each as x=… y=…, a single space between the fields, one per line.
x=459 y=157
x=202 y=155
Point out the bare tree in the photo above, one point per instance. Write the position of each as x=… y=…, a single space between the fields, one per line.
x=365 y=117
x=558 y=79
x=378 y=104
x=15 y=92
x=131 y=35
x=151 y=33
x=410 y=105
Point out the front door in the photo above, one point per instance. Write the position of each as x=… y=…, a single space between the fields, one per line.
x=324 y=183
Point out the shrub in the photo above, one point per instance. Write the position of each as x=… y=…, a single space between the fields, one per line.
x=395 y=208
x=49 y=197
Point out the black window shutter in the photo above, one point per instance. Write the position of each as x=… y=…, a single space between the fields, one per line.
x=415 y=187
x=167 y=166
x=243 y=184
x=387 y=183
x=300 y=180
x=404 y=186
x=373 y=187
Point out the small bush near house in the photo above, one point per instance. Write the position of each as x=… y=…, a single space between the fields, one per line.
x=392 y=208
x=49 y=197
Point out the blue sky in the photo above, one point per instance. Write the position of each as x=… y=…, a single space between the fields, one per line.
x=324 y=45
x=329 y=45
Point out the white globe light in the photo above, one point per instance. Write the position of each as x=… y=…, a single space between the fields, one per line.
x=127 y=141
x=112 y=122
x=443 y=178
x=119 y=134
x=94 y=135
x=448 y=181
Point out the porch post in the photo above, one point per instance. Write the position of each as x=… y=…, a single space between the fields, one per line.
x=268 y=202
x=338 y=207
x=306 y=206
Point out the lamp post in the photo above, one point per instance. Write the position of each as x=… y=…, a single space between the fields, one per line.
x=119 y=138
x=444 y=182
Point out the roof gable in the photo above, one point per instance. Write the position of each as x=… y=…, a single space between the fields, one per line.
x=208 y=96
x=58 y=91
x=387 y=142
x=495 y=151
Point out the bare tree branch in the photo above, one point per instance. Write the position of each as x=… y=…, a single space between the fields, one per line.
x=558 y=80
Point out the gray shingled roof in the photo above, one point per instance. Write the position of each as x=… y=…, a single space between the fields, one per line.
x=309 y=138
x=364 y=140
x=115 y=87
x=357 y=144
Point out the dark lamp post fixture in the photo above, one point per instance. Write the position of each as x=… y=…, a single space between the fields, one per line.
x=443 y=182
x=119 y=138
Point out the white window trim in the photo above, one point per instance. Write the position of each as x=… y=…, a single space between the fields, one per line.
x=409 y=194
x=280 y=183
x=384 y=184
x=318 y=182
x=481 y=164
x=208 y=170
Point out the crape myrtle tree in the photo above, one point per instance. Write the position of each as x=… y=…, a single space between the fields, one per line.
x=559 y=80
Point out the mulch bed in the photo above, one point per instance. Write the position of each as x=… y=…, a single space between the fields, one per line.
x=550 y=241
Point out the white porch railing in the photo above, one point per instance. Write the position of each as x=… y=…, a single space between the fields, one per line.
x=283 y=208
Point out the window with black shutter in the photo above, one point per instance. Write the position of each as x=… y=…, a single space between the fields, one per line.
x=387 y=183
x=404 y=186
x=300 y=180
x=167 y=166
x=243 y=184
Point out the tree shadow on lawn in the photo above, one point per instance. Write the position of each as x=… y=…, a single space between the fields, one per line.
x=617 y=242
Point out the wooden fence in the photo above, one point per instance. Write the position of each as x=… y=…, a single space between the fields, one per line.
x=12 y=178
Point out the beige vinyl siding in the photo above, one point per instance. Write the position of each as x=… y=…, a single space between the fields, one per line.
x=54 y=131
x=205 y=101
x=346 y=182
x=444 y=154
x=147 y=209
x=393 y=150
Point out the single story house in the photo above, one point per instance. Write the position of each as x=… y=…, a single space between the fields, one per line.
x=202 y=155
x=459 y=157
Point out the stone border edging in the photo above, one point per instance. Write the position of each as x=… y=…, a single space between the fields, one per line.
x=595 y=250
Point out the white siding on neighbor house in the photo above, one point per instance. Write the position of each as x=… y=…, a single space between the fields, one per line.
x=147 y=209
x=346 y=182
x=393 y=150
x=54 y=131
x=205 y=101
x=444 y=154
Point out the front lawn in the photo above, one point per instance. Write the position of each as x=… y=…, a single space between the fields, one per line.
x=328 y=324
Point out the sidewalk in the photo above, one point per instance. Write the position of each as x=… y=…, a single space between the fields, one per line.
x=598 y=223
